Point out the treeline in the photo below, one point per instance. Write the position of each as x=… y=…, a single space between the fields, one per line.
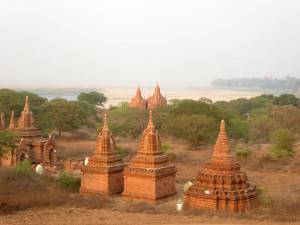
x=58 y=115
x=256 y=120
x=289 y=83
x=259 y=119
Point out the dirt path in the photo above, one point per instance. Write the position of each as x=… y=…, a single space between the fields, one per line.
x=74 y=216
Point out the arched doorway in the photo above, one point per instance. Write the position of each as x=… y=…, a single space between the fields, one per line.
x=22 y=157
x=51 y=157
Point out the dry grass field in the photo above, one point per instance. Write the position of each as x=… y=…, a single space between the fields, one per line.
x=42 y=203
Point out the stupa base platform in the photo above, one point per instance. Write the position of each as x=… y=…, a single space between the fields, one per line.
x=99 y=193
x=233 y=201
x=101 y=183
x=148 y=187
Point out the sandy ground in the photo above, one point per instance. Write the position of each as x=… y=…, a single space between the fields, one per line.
x=78 y=216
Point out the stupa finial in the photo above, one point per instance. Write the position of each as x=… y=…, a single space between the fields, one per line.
x=105 y=127
x=150 y=124
x=26 y=103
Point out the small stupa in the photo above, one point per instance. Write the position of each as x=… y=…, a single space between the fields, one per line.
x=2 y=121
x=32 y=145
x=222 y=185
x=103 y=173
x=150 y=176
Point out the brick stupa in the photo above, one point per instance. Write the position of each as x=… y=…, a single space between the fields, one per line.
x=32 y=145
x=138 y=101
x=150 y=176
x=2 y=121
x=157 y=99
x=222 y=185
x=103 y=174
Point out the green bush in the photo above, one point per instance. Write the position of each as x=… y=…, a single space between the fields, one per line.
x=23 y=169
x=243 y=153
x=283 y=143
x=166 y=146
x=263 y=198
x=68 y=181
x=121 y=152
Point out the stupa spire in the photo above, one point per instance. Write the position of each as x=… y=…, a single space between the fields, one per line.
x=222 y=147
x=26 y=104
x=105 y=127
x=12 y=121
x=150 y=123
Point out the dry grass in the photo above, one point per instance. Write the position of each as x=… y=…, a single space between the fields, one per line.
x=76 y=149
x=43 y=191
x=280 y=178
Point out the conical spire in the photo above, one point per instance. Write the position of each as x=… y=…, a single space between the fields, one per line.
x=105 y=127
x=150 y=124
x=157 y=89
x=222 y=148
x=12 y=121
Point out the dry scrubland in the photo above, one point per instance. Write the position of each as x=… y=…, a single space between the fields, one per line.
x=41 y=200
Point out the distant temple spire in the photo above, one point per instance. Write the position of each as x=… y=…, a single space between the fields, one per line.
x=138 y=101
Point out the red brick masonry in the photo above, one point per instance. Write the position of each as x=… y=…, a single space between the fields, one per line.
x=150 y=176
x=103 y=174
x=222 y=185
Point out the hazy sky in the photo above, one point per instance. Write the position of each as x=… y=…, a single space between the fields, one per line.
x=179 y=42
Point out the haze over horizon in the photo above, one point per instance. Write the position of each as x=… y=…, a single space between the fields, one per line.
x=129 y=42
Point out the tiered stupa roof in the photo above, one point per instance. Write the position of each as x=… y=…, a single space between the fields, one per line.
x=150 y=155
x=222 y=185
x=26 y=125
x=105 y=154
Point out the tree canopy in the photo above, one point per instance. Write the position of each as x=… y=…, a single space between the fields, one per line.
x=94 y=98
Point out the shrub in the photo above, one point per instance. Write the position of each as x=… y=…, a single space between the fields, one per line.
x=263 y=198
x=283 y=143
x=23 y=169
x=121 y=152
x=172 y=156
x=269 y=158
x=166 y=146
x=243 y=153
x=68 y=181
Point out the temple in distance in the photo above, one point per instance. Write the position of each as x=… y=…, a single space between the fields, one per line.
x=151 y=103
